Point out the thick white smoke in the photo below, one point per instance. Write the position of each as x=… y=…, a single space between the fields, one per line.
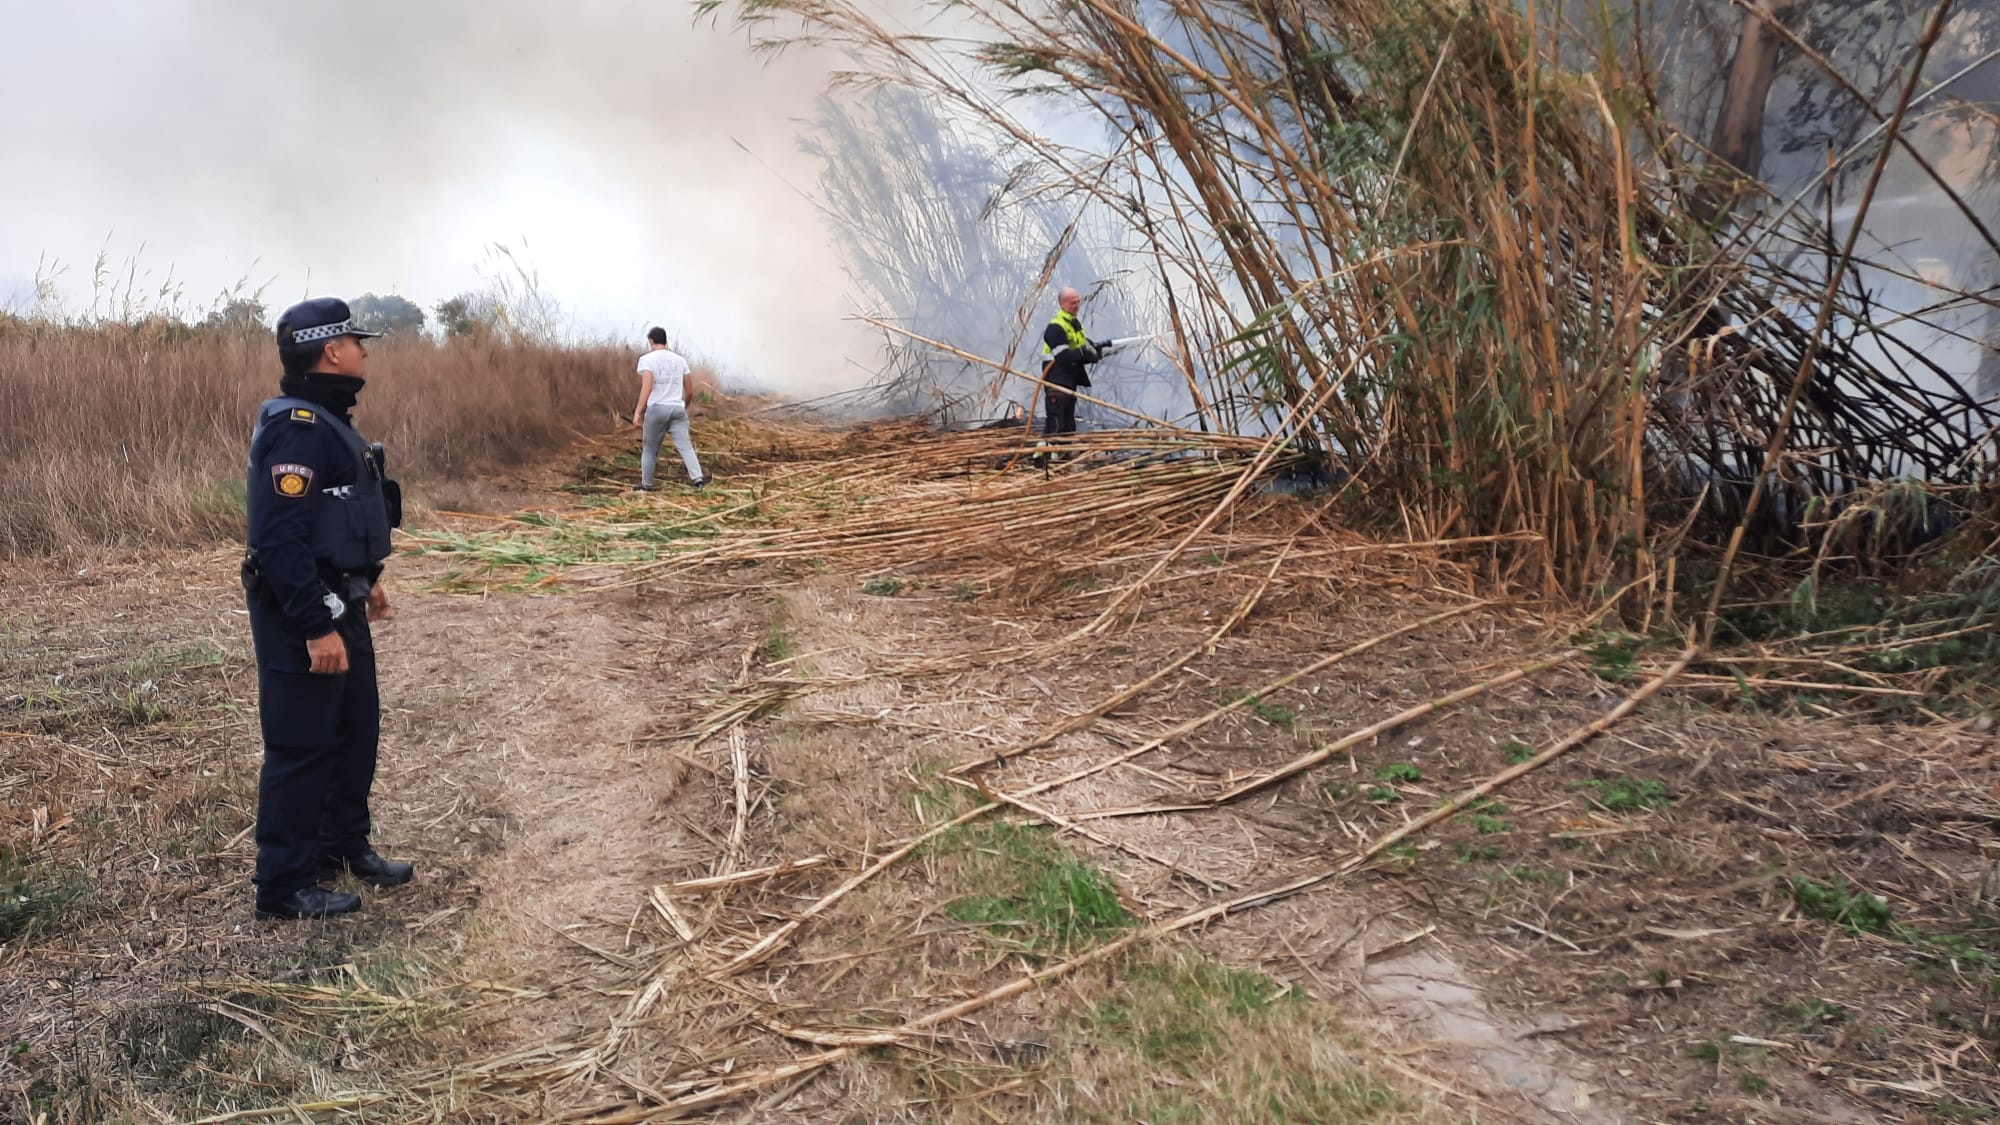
x=641 y=162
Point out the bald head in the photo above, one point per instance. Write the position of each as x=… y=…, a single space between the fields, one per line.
x=1069 y=300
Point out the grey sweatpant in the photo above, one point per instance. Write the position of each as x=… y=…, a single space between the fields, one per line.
x=662 y=420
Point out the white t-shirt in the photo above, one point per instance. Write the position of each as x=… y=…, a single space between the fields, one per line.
x=669 y=378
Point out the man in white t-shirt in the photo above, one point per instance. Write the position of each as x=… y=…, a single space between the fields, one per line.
x=662 y=410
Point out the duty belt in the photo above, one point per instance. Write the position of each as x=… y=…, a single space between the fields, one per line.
x=348 y=585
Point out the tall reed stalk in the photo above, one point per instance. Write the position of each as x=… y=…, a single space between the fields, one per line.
x=1458 y=243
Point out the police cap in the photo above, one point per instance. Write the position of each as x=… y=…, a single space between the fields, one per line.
x=317 y=320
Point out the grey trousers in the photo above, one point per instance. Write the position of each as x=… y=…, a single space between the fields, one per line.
x=661 y=421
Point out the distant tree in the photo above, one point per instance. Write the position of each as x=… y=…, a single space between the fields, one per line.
x=241 y=316
x=388 y=314
x=469 y=315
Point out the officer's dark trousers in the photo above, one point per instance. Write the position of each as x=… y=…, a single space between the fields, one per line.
x=320 y=736
x=1061 y=415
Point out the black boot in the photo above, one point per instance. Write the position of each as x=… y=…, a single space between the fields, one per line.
x=309 y=902
x=370 y=868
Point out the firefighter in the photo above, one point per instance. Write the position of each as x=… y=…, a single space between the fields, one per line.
x=1068 y=354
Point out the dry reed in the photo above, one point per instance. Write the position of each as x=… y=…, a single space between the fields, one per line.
x=136 y=433
x=1465 y=248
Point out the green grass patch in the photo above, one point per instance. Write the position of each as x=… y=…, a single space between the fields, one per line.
x=1516 y=751
x=1174 y=1011
x=1857 y=911
x=1036 y=895
x=937 y=801
x=1399 y=772
x=1241 y=1047
x=1849 y=908
x=1628 y=794
x=142 y=706
x=882 y=587
x=534 y=546
x=776 y=647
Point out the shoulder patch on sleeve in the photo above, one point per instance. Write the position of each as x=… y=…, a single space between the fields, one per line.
x=301 y=414
x=291 y=481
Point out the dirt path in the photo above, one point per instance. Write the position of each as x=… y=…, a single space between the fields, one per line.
x=517 y=718
x=508 y=774
x=592 y=822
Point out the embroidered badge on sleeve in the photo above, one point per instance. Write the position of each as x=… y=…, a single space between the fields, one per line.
x=301 y=414
x=291 y=481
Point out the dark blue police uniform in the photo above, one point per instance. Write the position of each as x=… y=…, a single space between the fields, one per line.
x=319 y=521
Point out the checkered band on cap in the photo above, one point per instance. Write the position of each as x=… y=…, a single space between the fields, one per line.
x=323 y=332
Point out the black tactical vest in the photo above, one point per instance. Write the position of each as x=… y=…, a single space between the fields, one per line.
x=352 y=531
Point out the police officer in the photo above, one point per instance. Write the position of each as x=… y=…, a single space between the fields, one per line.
x=320 y=512
x=1067 y=354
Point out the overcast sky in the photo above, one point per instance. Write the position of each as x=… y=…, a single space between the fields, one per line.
x=376 y=145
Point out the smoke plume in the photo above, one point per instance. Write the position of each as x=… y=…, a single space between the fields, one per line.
x=643 y=164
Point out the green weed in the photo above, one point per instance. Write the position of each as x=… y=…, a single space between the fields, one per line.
x=1275 y=714
x=882 y=587
x=140 y=707
x=1625 y=794
x=1043 y=898
x=777 y=646
x=1853 y=910
x=1399 y=772
x=1615 y=658
x=1806 y=1015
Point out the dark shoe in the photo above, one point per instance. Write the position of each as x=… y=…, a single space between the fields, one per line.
x=310 y=902
x=702 y=483
x=371 y=869
x=644 y=488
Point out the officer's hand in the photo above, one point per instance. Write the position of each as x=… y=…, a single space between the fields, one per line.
x=378 y=603
x=329 y=653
